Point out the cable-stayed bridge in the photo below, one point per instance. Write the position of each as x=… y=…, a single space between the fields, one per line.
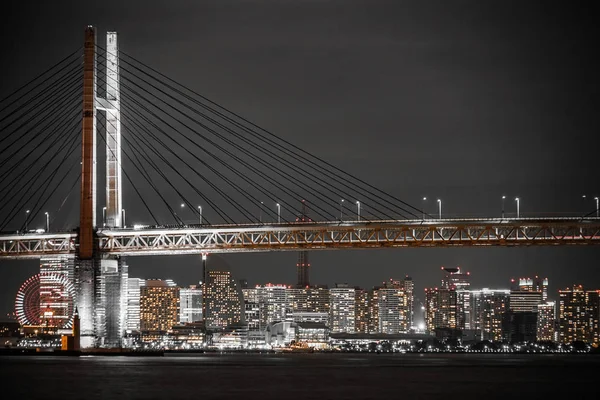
x=181 y=153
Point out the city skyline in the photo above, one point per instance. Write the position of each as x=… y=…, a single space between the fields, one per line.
x=478 y=107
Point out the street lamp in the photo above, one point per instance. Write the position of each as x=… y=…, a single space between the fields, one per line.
x=26 y=219
x=103 y=217
x=47 y=221
x=440 y=207
x=596 y=198
x=423 y=207
x=341 y=210
x=503 y=198
x=123 y=214
x=358 y=210
x=518 y=206
x=260 y=212
x=200 y=213
x=278 y=212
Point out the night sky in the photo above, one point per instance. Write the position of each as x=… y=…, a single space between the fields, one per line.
x=460 y=100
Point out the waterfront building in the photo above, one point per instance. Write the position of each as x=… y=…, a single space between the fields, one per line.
x=133 y=304
x=252 y=315
x=222 y=305
x=519 y=326
x=441 y=308
x=190 y=304
x=159 y=306
x=272 y=302
x=342 y=309
x=361 y=307
x=536 y=284
x=578 y=315
x=391 y=310
x=546 y=321
x=491 y=306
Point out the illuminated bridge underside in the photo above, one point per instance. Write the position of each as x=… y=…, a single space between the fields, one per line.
x=316 y=236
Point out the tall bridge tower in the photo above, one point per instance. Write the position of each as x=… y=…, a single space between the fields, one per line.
x=101 y=282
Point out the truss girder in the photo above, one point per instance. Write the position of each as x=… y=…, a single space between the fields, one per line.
x=313 y=236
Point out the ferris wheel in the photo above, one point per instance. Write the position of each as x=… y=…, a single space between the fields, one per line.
x=46 y=299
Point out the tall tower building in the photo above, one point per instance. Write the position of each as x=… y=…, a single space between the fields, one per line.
x=303 y=265
x=57 y=302
x=409 y=301
x=525 y=300
x=546 y=321
x=441 y=308
x=190 y=304
x=493 y=304
x=342 y=309
x=159 y=306
x=578 y=314
x=133 y=303
x=361 y=307
x=222 y=300
x=111 y=302
x=391 y=310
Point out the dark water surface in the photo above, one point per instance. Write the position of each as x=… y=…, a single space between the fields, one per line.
x=302 y=376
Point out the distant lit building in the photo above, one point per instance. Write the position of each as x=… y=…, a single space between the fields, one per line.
x=391 y=308
x=578 y=314
x=190 y=304
x=133 y=303
x=307 y=316
x=252 y=315
x=546 y=321
x=441 y=308
x=222 y=300
x=490 y=307
x=342 y=309
x=361 y=309
x=536 y=284
x=56 y=295
x=525 y=300
x=455 y=279
x=159 y=306
x=409 y=301
x=273 y=303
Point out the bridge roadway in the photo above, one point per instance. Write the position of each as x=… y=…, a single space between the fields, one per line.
x=197 y=239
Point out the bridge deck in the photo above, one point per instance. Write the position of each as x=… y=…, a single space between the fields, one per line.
x=154 y=240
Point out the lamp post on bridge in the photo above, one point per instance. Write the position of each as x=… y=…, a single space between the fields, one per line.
x=358 y=210
x=439 y=201
x=597 y=206
x=341 y=209
x=103 y=217
x=26 y=219
x=423 y=207
x=200 y=214
x=278 y=212
x=518 y=207
x=503 y=198
x=260 y=212
x=47 y=221
x=123 y=215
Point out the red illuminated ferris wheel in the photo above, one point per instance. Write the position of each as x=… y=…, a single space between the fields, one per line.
x=46 y=299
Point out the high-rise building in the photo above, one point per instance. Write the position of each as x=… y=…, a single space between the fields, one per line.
x=361 y=307
x=546 y=321
x=133 y=303
x=342 y=309
x=490 y=306
x=56 y=296
x=190 y=304
x=159 y=305
x=525 y=300
x=222 y=300
x=409 y=301
x=441 y=308
x=392 y=316
x=536 y=284
x=578 y=314
x=111 y=302
x=273 y=303
x=464 y=309
x=519 y=326
x=252 y=315
x=373 y=310
x=455 y=279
